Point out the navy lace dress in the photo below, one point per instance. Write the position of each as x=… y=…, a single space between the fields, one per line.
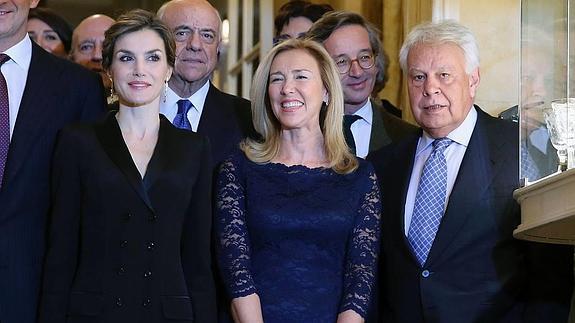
x=304 y=239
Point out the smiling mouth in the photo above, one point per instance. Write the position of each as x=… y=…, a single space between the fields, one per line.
x=291 y=105
x=356 y=84
x=138 y=84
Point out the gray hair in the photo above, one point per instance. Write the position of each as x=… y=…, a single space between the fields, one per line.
x=448 y=31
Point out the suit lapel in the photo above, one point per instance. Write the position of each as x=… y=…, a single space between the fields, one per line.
x=401 y=172
x=210 y=115
x=473 y=180
x=33 y=114
x=110 y=137
x=379 y=136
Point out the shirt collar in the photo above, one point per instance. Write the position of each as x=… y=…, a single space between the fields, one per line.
x=198 y=98
x=460 y=135
x=21 y=53
x=365 y=112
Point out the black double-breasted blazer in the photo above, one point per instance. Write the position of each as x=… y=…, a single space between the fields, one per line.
x=123 y=248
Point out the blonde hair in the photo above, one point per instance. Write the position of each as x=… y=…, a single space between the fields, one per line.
x=340 y=159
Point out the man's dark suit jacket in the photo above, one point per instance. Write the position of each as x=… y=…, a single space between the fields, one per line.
x=123 y=249
x=387 y=128
x=57 y=92
x=476 y=271
x=225 y=120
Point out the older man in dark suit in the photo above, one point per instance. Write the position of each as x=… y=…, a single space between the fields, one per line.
x=192 y=101
x=356 y=49
x=448 y=253
x=39 y=93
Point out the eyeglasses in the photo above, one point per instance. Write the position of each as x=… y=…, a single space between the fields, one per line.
x=365 y=60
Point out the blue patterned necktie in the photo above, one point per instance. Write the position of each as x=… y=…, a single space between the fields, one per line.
x=529 y=169
x=181 y=120
x=429 y=201
x=348 y=120
x=4 y=120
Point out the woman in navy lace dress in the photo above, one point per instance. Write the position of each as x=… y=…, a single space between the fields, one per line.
x=298 y=214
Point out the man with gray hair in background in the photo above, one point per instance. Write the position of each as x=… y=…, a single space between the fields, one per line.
x=448 y=252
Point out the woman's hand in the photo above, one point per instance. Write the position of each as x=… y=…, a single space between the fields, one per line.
x=248 y=309
x=349 y=316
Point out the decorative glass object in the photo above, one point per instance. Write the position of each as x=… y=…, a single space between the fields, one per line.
x=560 y=120
x=547 y=89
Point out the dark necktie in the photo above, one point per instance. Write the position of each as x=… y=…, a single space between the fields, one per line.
x=348 y=120
x=181 y=120
x=429 y=201
x=4 y=120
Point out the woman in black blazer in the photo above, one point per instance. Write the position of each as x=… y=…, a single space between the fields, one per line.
x=131 y=219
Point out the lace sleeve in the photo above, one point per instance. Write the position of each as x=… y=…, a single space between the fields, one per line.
x=363 y=249
x=232 y=234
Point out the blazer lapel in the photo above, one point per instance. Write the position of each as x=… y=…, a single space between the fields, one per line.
x=161 y=153
x=401 y=172
x=110 y=137
x=473 y=180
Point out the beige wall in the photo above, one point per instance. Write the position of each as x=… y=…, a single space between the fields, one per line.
x=495 y=23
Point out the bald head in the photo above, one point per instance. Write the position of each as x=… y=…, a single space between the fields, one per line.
x=197 y=28
x=87 y=42
x=200 y=4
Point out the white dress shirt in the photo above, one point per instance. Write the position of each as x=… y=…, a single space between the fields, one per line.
x=361 y=129
x=15 y=71
x=170 y=107
x=453 y=155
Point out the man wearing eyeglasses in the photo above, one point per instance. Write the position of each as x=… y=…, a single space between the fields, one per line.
x=356 y=49
x=191 y=101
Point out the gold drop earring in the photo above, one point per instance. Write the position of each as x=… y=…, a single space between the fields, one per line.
x=112 y=98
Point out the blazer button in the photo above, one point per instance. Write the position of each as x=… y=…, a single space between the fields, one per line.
x=425 y=273
x=153 y=218
x=124 y=243
x=147 y=302
x=119 y=302
x=150 y=246
x=127 y=216
x=121 y=270
x=148 y=274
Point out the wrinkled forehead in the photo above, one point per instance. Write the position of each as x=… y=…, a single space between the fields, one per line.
x=437 y=54
x=91 y=29
x=192 y=16
x=348 y=40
